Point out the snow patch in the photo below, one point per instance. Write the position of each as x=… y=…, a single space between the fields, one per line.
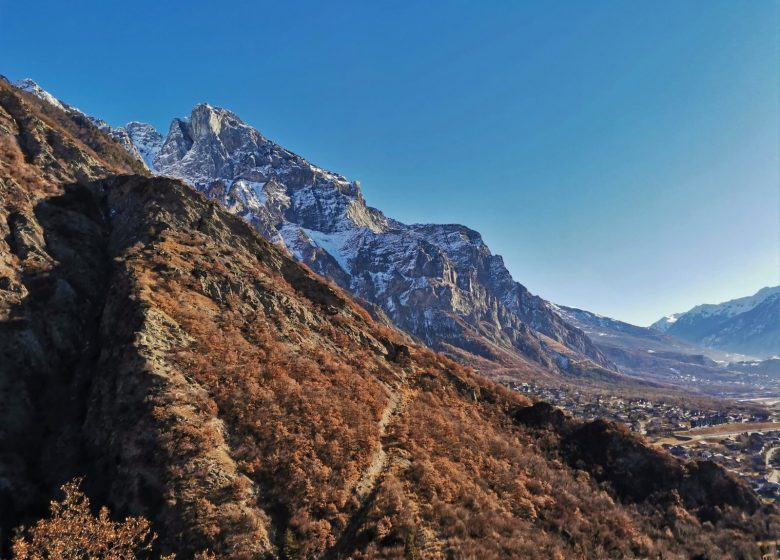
x=334 y=243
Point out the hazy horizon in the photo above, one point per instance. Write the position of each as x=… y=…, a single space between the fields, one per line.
x=622 y=159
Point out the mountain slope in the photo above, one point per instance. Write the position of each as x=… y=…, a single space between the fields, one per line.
x=440 y=283
x=749 y=325
x=199 y=376
x=121 y=135
x=650 y=354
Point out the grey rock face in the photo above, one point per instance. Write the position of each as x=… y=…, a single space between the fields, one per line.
x=146 y=140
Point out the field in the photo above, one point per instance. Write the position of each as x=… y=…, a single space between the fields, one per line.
x=685 y=437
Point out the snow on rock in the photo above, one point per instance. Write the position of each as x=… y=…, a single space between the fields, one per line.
x=30 y=86
x=665 y=323
x=146 y=140
x=336 y=244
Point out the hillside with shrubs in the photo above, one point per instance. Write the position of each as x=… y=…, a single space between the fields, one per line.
x=237 y=405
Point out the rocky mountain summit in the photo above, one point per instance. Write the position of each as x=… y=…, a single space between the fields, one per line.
x=748 y=325
x=142 y=139
x=440 y=283
x=198 y=376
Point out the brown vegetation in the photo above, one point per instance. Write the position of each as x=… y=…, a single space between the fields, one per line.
x=73 y=533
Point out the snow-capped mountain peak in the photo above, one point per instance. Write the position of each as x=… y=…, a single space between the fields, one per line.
x=665 y=323
x=749 y=325
x=146 y=140
x=735 y=306
x=28 y=85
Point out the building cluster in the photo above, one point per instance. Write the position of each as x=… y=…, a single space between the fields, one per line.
x=644 y=416
x=755 y=456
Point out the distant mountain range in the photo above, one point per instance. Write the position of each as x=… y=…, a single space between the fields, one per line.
x=748 y=325
x=652 y=355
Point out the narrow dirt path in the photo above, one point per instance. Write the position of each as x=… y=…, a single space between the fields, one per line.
x=774 y=474
x=379 y=461
x=370 y=481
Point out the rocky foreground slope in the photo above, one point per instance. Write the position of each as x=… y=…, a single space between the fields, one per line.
x=196 y=375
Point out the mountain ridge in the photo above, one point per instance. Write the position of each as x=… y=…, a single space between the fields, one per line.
x=440 y=283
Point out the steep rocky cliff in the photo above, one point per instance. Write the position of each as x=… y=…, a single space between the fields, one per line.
x=200 y=377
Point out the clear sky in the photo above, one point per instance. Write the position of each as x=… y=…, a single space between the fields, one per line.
x=623 y=156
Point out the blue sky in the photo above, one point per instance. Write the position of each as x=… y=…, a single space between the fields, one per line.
x=623 y=157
